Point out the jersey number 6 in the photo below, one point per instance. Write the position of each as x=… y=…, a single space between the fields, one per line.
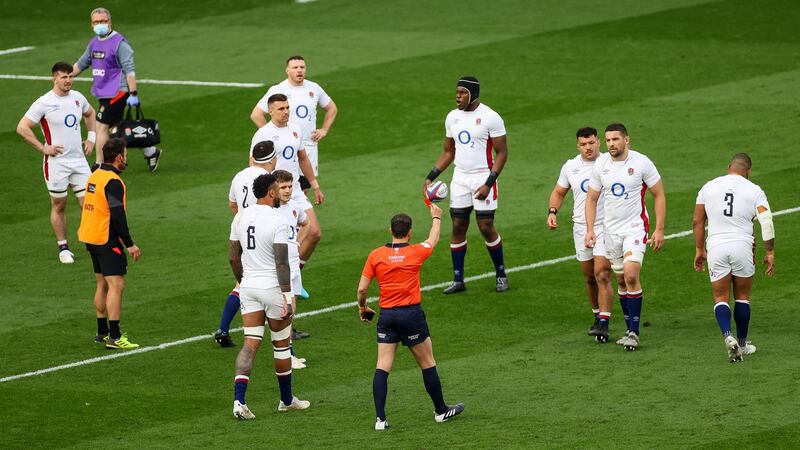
x=251 y=237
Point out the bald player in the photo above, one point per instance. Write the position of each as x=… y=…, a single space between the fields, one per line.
x=730 y=204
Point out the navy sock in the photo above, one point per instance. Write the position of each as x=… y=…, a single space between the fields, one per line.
x=102 y=325
x=496 y=252
x=229 y=311
x=603 y=318
x=114 y=333
x=380 y=386
x=285 y=386
x=434 y=387
x=741 y=314
x=623 y=303
x=635 y=309
x=458 y=252
x=240 y=387
x=723 y=313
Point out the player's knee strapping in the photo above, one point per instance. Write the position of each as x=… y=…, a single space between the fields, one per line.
x=281 y=352
x=485 y=214
x=617 y=265
x=282 y=335
x=256 y=333
x=634 y=257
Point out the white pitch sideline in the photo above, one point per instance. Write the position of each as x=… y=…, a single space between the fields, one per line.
x=15 y=50
x=201 y=337
x=144 y=81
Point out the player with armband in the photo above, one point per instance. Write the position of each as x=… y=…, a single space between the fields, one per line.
x=259 y=257
x=730 y=204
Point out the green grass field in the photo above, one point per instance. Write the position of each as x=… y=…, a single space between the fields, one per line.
x=694 y=81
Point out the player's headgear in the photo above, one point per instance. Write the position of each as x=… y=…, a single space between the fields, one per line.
x=263 y=151
x=472 y=85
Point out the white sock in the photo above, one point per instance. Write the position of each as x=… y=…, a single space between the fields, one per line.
x=149 y=151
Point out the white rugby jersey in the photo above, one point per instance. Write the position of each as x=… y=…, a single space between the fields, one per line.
x=472 y=131
x=575 y=174
x=622 y=184
x=60 y=120
x=242 y=186
x=257 y=228
x=288 y=141
x=303 y=103
x=731 y=203
x=293 y=215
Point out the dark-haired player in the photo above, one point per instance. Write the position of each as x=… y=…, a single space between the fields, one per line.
x=574 y=176
x=259 y=257
x=396 y=266
x=59 y=113
x=622 y=176
x=475 y=142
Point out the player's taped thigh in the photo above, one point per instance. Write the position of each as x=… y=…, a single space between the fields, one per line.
x=461 y=213
x=485 y=214
x=634 y=257
x=256 y=333
x=617 y=265
x=282 y=335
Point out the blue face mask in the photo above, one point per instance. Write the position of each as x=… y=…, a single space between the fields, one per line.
x=101 y=29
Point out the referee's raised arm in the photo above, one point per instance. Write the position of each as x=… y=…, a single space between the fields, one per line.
x=436 y=225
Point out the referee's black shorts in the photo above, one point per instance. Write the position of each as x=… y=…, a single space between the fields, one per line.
x=406 y=324
x=108 y=260
x=111 y=109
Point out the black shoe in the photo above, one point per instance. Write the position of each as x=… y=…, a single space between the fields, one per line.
x=297 y=334
x=601 y=335
x=502 y=284
x=451 y=412
x=101 y=338
x=223 y=339
x=152 y=161
x=593 y=329
x=456 y=286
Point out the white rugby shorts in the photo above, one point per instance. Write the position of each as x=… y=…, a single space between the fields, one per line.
x=60 y=174
x=734 y=258
x=583 y=253
x=617 y=245
x=462 y=191
x=267 y=300
x=312 y=151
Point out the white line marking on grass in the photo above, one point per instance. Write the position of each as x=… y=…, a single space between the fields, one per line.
x=16 y=50
x=144 y=81
x=315 y=312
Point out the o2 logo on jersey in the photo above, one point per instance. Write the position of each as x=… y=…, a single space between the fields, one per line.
x=301 y=111
x=288 y=152
x=464 y=137
x=71 y=120
x=585 y=186
x=618 y=189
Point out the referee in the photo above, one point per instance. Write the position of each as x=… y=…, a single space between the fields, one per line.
x=396 y=266
x=104 y=230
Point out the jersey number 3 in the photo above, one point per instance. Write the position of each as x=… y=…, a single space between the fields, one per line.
x=728 y=212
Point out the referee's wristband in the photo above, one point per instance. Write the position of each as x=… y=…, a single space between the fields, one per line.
x=491 y=178
x=433 y=173
x=552 y=211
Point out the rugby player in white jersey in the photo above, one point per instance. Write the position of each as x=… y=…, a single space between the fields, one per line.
x=621 y=177
x=305 y=97
x=240 y=197
x=574 y=176
x=259 y=257
x=472 y=132
x=730 y=204
x=58 y=113
x=298 y=226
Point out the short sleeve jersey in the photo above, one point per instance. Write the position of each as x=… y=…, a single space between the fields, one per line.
x=575 y=175
x=60 y=120
x=622 y=185
x=303 y=103
x=242 y=186
x=288 y=141
x=731 y=204
x=472 y=132
x=397 y=266
x=293 y=215
x=257 y=228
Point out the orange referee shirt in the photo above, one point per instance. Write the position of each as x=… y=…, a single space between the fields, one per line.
x=397 y=266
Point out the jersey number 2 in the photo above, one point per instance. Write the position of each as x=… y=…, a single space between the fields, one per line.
x=728 y=212
x=244 y=201
x=251 y=237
